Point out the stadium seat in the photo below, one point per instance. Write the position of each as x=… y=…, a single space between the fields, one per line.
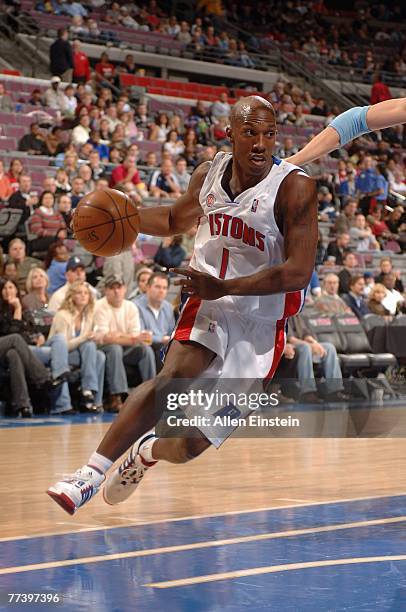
x=356 y=341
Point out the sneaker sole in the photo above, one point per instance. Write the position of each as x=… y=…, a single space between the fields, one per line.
x=107 y=501
x=63 y=501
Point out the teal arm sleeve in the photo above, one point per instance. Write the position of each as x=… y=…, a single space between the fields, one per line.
x=351 y=124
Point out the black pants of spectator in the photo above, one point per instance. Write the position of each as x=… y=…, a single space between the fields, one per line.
x=22 y=364
x=286 y=373
x=41 y=244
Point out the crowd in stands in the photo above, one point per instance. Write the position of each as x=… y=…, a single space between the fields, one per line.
x=298 y=26
x=106 y=322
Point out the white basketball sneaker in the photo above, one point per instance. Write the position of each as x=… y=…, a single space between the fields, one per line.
x=76 y=489
x=126 y=478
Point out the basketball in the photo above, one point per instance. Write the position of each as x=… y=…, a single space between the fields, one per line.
x=106 y=222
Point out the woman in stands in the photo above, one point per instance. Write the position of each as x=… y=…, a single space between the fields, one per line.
x=159 y=130
x=37 y=283
x=173 y=144
x=74 y=320
x=15 y=355
x=46 y=223
x=375 y=305
x=16 y=168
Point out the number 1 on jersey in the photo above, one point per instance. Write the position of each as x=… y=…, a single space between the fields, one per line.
x=224 y=263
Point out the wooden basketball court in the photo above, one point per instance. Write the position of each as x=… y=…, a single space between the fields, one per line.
x=261 y=524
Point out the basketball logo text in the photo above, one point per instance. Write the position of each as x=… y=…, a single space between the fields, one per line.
x=234 y=227
x=92 y=236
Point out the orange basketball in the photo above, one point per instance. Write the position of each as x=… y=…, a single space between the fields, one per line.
x=106 y=222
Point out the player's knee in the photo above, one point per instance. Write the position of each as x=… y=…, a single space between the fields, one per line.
x=190 y=448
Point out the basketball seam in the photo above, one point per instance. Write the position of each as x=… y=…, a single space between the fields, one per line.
x=128 y=218
x=120 y=217
x=112 y=220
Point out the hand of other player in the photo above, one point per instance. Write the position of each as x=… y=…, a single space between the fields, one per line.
x=202 y=285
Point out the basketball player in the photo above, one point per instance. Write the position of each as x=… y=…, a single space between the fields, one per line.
x=254 y=254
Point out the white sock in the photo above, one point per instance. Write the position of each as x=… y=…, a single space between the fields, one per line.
x=100 y=463
x=146 y=450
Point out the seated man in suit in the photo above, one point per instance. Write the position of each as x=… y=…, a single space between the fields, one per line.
x=355 y=298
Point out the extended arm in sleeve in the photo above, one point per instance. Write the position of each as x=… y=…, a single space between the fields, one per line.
x=350 y=125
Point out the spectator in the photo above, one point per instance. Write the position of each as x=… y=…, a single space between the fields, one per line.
x=75 y=271
x=54 y=143
x=184 y=35
x=170 y=253
x=81 y=133
x=36 y=98
x=366 y=183
x=337 y=247
x=164 y=183
x=375 y=299
x=6 y=103
x=221 y=107
x=65 y=208
x=54 y=96
x=188 y=241
x=156 y=313
x=61 y=60
x=128 y=66
x=118 y=323
x=350 y=263
x=85 y=173
x=101 y=148
x=5 y=185
x=379 y=91
x=77 y=192
x=346 y=220
x=327 y=211
x=62 y=182
x=288 y=148
x=378 y=226
x=120 y=266
x=385 y=266
x=310 y=351
x=70 y=103
x=160 y=129
x=72 y=8
x=75 y=321
x=46 y=223
x=393 y=300
x=81 y=65
x=319 y=108
x=34 y=142
x=55 y=264
x=181 y=174
x=330 y=302
x=36 y=297
x=361 y=235
x=126 y=173
x=105 y=71
x=173 y=144
x=141 y=279
x=14 y=172
x=355 y=297
x=17 y=255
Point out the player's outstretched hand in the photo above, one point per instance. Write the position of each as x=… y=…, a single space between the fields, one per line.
x=202 y=285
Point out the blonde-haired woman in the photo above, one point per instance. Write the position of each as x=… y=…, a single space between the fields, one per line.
x=74 y=320
x=376 y=295
x=37 y=284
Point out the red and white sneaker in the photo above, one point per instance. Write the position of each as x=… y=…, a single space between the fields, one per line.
x=126 y=478
x=76 y=489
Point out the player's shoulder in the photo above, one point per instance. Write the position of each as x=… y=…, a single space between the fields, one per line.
x=199 y=176
x=298 y=180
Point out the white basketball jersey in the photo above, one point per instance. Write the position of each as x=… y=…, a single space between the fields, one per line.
x=241 y=237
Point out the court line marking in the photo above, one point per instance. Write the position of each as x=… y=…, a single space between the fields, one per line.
x=199 y=516
x=271 y=569
x=198 y=545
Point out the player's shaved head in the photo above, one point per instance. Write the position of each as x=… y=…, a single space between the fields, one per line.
x=246 y=107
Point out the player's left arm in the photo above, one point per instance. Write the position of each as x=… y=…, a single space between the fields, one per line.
x=296 y=214
x=351 y=124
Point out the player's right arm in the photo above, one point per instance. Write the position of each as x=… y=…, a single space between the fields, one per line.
x=182 y=215
x=377 y=117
